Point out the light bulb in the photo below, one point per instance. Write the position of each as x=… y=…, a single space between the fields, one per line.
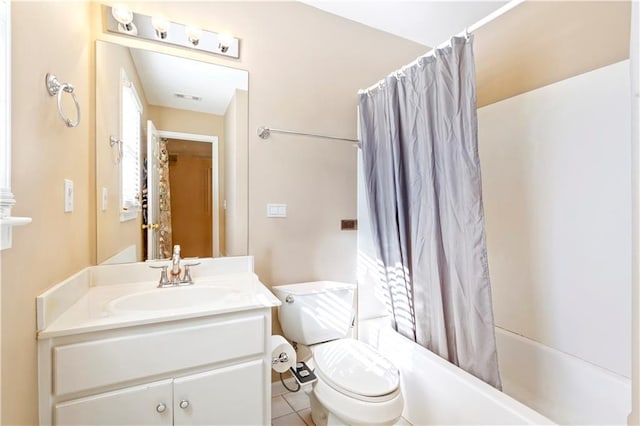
x=124 y=16
x=193 y=34
x=224 y=42
x=161 y=26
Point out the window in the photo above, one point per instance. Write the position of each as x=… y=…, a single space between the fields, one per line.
x=7 y=200
x=130 y=131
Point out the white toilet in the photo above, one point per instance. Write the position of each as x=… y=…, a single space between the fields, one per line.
x=356 y=385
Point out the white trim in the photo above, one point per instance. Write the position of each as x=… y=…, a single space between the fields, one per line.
x=634 y=416
x=188 y=136
x=125 y=82
x=133 y=211
x=7 y=199
x=215 y=171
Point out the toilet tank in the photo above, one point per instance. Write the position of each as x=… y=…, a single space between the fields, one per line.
x=315 y=312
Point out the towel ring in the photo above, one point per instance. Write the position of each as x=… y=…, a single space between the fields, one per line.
x=54 y=87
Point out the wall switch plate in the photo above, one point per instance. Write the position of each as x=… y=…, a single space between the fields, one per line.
x=348 y=224
x=68 y=195
x=105 y=198
x=276 y=210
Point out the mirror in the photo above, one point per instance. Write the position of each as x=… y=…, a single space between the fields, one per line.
x=171 y=156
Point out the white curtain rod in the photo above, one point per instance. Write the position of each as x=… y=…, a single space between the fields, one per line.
x=469 y=30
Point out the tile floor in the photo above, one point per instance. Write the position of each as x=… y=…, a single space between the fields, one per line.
x=289 y=409
x=292 y=409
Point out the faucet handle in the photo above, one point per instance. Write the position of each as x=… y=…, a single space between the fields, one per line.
x=164 y=278
x=186 y=279
x=176 y=249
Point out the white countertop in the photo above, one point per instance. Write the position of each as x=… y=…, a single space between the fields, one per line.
x=91 y=308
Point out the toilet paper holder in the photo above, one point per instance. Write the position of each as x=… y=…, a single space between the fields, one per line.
x=283 y=357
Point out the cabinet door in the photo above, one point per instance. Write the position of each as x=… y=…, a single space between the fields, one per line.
x=232 y=395
x=149 y=404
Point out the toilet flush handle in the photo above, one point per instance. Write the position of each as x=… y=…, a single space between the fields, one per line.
x=289 y=299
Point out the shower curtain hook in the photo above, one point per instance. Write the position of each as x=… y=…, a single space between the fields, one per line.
x=466 y=33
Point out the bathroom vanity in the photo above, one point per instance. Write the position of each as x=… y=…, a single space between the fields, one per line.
x=115 y=350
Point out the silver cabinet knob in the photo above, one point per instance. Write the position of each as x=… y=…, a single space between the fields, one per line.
x=289 y=299
x=184 y=404
x=161 y=408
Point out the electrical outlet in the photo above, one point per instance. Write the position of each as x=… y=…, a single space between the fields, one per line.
x=276 y=210
x=68 y=195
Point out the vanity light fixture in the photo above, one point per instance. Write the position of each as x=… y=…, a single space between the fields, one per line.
x=161 y=25
x=193 y=35
x=122 y=20
x=124 y=16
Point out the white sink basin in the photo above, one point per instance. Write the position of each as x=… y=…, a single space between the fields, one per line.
x=172 y=298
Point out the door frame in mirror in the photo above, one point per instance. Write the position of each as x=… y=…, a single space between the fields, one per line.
x=213 y=140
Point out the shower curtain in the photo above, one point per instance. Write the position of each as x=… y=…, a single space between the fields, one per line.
x=165 y=243
x=422 y=177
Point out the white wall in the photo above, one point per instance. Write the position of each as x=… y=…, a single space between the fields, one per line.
x=556 y=185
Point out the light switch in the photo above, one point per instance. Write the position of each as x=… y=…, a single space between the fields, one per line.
x=276 y=210
x=105 y=198
x=68 y=196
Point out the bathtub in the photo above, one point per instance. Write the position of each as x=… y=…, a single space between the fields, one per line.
x=541 y=385
x=562 y=387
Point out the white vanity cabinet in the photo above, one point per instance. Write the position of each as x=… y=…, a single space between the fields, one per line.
x=201 y=371
x=223 y=396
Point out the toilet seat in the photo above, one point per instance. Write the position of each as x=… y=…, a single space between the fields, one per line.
x=355 y=369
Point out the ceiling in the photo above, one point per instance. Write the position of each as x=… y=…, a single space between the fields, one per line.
x=163 y=76
x=425 y=22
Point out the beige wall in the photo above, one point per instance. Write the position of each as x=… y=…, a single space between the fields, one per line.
x=542 y=42
x=113 y=235
x=305 y=67
x=46 y=37
x=179 y=120
x=235 y=175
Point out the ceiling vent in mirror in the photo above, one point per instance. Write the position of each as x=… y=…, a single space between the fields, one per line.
x=188 y=97
x=122 y=20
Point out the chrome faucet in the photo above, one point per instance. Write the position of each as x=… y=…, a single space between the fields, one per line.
x=175 y=263
x=173 y=278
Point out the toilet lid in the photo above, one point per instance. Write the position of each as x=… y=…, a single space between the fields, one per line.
x=356 y=367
